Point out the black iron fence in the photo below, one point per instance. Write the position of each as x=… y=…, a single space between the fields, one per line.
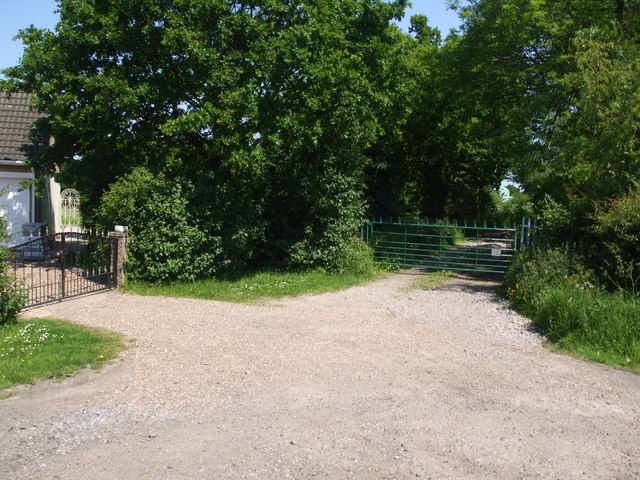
x=62 y=265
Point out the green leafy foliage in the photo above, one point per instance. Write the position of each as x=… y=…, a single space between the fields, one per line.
x=616 y=225
x=592 y=323
x=11 y=298
x=357 y=259
x=510 y=209
x=597 y=143
x=255 y=119
x=276 y=127
x=537 y=268
x=551 y=286
x=558 y=84
x=166 y=241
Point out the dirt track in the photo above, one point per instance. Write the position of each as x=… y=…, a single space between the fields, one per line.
x=369 y=383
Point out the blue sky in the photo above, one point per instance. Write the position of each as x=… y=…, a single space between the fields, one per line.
x=437 y=12
x=21 y=14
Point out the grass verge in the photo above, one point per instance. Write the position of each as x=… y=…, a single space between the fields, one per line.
x=41 y=349
x=591 y=323
x=431 y=280
x=580 y=317
x=255 y=287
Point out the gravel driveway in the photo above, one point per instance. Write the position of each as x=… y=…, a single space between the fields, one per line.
x=374 y=382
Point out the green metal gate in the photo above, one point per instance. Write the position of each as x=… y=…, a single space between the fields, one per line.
x=441 y=245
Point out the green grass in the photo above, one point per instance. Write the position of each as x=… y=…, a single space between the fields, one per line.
x=41 y=349
x=431 y=280
x=578 y=315
x=591 y=323
x=254 y=287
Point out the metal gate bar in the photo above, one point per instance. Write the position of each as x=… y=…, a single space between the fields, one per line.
x=62 y=265
x=444 y=246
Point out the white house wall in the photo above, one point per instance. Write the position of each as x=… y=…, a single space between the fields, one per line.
x=17 y=204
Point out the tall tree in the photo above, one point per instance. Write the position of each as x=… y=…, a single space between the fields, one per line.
x=546 y=91
x=259 y=111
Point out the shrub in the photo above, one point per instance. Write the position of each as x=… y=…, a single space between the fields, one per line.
x=11 y=299
x=357 y=259
x=166 y=242
x=334 y=218
x=617 y=229
x=511 y=209
x=551 y=287
x=537 y=268
x=559 y=220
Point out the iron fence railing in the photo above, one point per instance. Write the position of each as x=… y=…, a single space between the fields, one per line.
x=62 y=265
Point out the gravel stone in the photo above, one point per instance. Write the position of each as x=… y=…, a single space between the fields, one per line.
x=374 y=382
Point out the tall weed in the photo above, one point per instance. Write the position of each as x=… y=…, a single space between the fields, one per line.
x=559 y=295
x=537 y=268
x=593 y=322
x=616 y=249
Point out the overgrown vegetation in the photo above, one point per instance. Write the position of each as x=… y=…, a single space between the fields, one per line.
x=234 y=136
x=227 y=135
x=256 y=287
x=552 y=287
x=615 y=248
x=510 y=207
x=167 y=242
x=41 y=349
x=11 y=298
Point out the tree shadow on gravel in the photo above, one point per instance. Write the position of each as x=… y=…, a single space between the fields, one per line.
x=478 y=282
x=474 y=283
x=467 y=282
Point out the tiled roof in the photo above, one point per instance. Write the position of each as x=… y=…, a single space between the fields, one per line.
x=16 y=126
